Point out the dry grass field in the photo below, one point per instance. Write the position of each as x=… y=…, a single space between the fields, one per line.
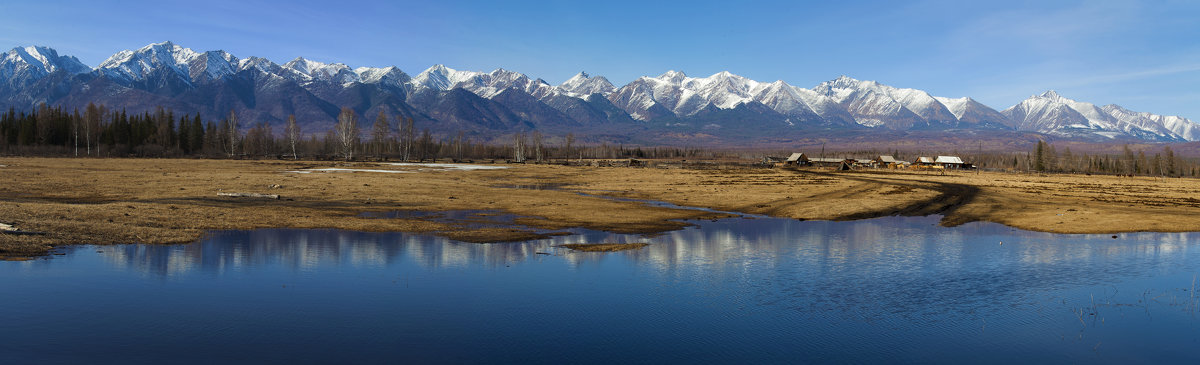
x=106 y=201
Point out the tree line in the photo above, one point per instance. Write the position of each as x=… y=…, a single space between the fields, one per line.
x=1046 y=158
x=100 y=131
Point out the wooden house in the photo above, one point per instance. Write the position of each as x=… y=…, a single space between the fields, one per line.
x=890 y=162
x=949 y=162
x=797 y=159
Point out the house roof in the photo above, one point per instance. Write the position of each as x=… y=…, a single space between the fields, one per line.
x=925 y=160
x=832 y=160
x=949 y=159
x=887 y=159
x=864 y=161
x=796 y=157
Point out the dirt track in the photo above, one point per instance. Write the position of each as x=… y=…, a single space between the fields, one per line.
x=949 y=197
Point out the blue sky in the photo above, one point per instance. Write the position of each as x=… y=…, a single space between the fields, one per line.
x=1143 y=55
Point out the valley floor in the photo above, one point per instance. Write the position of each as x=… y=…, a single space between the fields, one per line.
x=110 y=201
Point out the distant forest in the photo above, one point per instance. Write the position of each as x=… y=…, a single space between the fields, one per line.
x=101 y=132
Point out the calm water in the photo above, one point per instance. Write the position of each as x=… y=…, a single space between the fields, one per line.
x=733 y=291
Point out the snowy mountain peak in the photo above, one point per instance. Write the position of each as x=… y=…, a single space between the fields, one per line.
x=1174 y=126
x=303 y=65
x=37 y=61
x=672 y=76
x=166 y=70
x=258 y=63
x=320 y=71
x=581 y=85
x=1051 y=94
x=390 y=76
x=1052 y=113
x=136 y=65
x=843 y=81
x=440 y=77
x=491 y=84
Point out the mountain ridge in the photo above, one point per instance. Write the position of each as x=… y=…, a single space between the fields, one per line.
x=500 y=102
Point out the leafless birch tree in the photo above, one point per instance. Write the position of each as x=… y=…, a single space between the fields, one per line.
x=346 y=132
x=231 y=126
x=292 y=133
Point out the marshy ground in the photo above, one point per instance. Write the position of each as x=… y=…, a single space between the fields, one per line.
x=108 y=201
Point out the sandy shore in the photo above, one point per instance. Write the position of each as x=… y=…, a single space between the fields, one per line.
x=107 y=201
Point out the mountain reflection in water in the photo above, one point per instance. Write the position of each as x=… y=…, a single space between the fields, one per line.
x=758 y=290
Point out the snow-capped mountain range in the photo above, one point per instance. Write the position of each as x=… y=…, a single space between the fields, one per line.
x=501 y=101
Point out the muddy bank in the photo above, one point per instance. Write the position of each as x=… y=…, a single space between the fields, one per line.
x=107 y=201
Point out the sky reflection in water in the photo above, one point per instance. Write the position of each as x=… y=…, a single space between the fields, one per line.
x=774 y=290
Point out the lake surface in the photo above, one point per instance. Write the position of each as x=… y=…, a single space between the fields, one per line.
x=896 y=289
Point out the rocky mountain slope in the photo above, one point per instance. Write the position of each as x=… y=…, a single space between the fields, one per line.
x=671 y=108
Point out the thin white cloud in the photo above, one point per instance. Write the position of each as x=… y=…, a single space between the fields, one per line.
x=1133 y=75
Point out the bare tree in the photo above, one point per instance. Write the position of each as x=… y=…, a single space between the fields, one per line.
x=91 y=126
x=379 y=134
x=76 y=122
x=231 y=127
x=347 y=131
x=458 y=146
x=568 y=141
x=406 y=134
x=259 y=141
x=292 y=132
x=537 y=146
x=410 y=135
x=519 y=147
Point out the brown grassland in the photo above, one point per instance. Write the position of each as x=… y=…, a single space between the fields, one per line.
x=108 y=201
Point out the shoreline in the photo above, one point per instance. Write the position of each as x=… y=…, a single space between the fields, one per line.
x=163 y=201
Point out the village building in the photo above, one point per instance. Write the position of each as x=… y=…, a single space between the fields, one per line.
x=926 y=163
x=949 y=162
x=890 y=162
x=865 y=162
x=831 y=162
x=797 y=159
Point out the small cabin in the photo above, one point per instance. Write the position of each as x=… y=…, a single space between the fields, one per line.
x=926 y=163
x=797 y=159
x=890 y=162
x=949 y=162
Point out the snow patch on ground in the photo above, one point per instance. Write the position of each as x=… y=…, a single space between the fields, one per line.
x=448 y=166
x=7 y=227
x=421 y=167
x=338 y=169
